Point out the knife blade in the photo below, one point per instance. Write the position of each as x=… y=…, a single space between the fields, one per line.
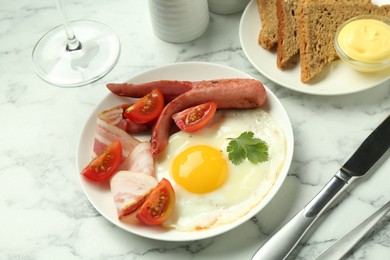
x=342 y=246
x=284 y=240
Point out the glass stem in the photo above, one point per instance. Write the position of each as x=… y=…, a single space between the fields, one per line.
x=73 y=43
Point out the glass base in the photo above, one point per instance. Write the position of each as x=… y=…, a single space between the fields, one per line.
x=98 y=55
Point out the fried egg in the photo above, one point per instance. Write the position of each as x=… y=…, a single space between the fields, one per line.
x=210 y=190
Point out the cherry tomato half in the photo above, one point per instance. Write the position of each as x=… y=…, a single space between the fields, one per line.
x=105 y=165
x=159 y=204
x=146 y=108
x=194 y=118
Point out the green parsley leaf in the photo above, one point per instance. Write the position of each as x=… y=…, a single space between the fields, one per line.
x=246 y=146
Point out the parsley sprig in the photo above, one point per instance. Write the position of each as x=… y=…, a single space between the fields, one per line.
x=247 y=146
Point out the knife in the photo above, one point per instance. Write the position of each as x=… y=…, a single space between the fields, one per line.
x=342 y=246
x=283 y=241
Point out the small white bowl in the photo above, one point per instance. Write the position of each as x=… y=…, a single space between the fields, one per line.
x=358 y=65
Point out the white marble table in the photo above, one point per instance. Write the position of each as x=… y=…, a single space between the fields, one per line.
x=45 y=215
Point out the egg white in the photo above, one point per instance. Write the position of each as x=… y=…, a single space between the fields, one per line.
x=246 y=185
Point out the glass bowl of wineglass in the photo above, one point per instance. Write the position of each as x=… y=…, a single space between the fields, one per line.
x=75 y=53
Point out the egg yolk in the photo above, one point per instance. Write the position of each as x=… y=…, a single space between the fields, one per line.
x=200 y=169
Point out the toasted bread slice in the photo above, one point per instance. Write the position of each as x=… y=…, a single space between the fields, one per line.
x=269 y=24
x=318 y=21
x=288 y=40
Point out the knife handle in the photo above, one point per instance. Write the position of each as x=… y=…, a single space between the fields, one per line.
x=281 y=243
x=284 y=241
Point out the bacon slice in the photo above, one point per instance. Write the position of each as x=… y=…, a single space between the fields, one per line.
x=110 y=127
x=228 y=93
x=130 y=189
x=170 y=88
x=140 y=159
x=134 y=181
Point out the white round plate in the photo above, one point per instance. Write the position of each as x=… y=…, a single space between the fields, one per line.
x=100 y=196
x=337 y=79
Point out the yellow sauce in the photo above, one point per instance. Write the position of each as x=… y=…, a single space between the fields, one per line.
x=366 y=40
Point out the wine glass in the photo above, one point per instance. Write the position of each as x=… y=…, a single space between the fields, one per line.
x=75 y=53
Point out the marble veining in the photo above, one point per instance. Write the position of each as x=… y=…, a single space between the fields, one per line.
x=44 y=213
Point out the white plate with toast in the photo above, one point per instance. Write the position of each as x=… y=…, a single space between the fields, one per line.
x=336 y=79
